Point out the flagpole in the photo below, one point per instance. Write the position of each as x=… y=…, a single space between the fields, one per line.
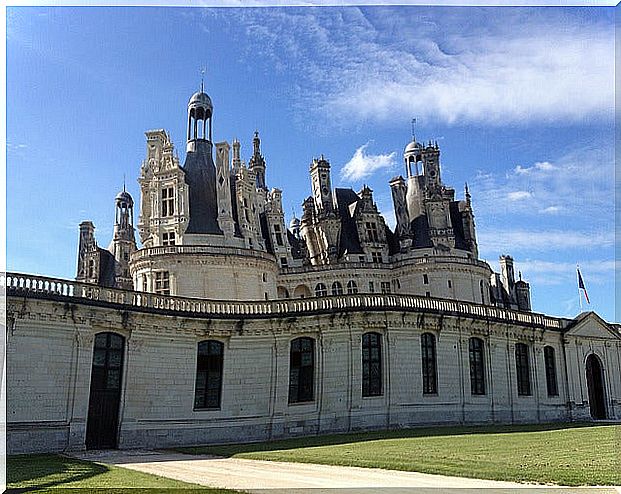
x=579 y=291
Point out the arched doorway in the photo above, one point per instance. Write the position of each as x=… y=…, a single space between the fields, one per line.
x=105 y=392
x=595 y=384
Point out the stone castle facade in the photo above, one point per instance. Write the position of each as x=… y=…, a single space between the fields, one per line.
x=213 y=229
x=229 y=325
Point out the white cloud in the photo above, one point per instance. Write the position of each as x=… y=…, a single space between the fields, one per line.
x=510 y=66
x=551 y=210
x=544 y=166
x=363 y=165
x=519 y=195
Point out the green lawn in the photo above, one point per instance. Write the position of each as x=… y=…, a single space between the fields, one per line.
x=46 y=473
x=565 y=454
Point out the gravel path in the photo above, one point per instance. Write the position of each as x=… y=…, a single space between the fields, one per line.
x=263 y=477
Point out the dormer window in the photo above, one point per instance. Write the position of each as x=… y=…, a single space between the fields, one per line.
x=371 y=228
x=168 y=201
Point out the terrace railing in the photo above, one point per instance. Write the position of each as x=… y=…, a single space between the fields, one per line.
x=35 y=286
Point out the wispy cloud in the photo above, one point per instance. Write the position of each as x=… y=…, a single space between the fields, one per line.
x=363 y=165
x=510 y=66
x=579 y=183
x=543 y=272
x=492 y=242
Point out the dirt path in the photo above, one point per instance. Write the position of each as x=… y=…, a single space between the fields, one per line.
x=259 y=476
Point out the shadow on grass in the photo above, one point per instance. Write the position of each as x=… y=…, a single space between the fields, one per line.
x=30 y=473
x=228 y=450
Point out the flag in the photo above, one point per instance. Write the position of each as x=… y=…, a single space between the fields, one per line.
x=581 y=286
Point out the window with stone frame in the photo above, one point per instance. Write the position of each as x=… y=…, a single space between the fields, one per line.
x=168 y=238
x=284 y=263
x=371 y=228
x=522 y=368
x=208 y=385
x=376 y=257
x=352 y=287
x=476 y=349
x=372 y=364
x=321 y=290
x=168 y=201
x=301 y=370
x=428 y=360
x=162 y=282
x=385 y=286
x=278 y=234
x=337 y=288
x=550 y=365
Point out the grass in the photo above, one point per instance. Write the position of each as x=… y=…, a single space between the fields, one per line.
x=564 y=454
x=48 y=473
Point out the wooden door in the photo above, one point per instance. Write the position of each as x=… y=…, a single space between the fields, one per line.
x=105 y=393
x=595 y=384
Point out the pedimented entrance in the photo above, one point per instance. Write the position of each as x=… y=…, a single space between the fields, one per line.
x=105 y=393
x=595 y=384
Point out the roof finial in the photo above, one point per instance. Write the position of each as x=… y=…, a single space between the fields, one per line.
x=203 y=79
x=123 y=182
x=413 y=125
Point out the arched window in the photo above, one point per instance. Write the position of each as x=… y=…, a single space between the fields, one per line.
x=477 y=366
x=522 y=368
x=320 y=290
x=337 y=288
x=352 y=288
x=208 y=389
x=371 y=364
x=428 y=353
x=482 y=291
x=550 y=365
x=301 y=370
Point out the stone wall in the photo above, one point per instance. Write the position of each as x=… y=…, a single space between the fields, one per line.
x=50 y=354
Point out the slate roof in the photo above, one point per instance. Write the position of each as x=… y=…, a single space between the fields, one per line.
x=200 y=175
x=349 y=241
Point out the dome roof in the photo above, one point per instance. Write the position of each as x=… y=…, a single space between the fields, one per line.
x=412 y=147
x=201 y=99
x=125 y=197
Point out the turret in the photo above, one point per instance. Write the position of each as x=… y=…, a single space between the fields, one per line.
x=507 y=276
x=522 y=293
x=123 y=241
x=86 y=244
x=257 y=162
x=321 y=185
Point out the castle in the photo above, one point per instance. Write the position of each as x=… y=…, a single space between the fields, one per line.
x=216 y=231
x=229 y=325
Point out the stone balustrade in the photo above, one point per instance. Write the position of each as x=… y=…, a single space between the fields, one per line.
x=404 y=261
x=149 y=252
x=35 y=286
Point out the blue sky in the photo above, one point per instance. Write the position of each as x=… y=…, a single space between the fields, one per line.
x=521 y=101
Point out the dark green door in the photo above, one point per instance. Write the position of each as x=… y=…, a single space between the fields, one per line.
x=105 y=394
